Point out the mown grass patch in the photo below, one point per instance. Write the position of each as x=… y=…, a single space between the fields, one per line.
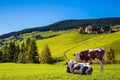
x=11 y=71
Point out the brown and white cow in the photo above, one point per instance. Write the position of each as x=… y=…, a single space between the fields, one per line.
x=79 y=68
x=92 y=54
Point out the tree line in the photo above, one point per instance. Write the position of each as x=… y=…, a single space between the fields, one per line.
x=26 y=52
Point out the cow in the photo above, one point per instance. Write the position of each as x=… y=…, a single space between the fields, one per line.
x=92 y=54
x=79 y=68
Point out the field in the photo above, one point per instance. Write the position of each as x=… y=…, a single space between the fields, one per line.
x=71 y=40
x=77 y=42
x=65 y=40
x=11 y=71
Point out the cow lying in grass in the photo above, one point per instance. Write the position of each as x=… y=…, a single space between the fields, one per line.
x=79 y=68
x=92 y=54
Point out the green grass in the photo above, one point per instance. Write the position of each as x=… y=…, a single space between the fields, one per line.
x=11 y=71
x=42 y=34
x=22 y=38
x=77 y=42
x=70 y=39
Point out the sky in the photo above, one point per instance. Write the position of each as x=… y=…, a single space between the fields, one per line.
x=16 y=15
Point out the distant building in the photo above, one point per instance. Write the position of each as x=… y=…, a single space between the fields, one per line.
x=94 y=29
x=88 y=29
x=107 y=29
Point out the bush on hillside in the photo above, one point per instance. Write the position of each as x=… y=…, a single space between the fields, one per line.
x=111 y=56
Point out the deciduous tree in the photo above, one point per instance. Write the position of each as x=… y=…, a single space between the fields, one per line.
x=45 y=54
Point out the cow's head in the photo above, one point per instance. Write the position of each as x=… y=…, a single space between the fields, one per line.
x=77 y=56
x=68 y=69
x=69 y=65
x=89 y=71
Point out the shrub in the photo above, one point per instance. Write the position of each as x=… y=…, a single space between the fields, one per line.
x=110 y=56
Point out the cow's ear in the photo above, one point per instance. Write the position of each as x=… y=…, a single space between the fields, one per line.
x=66 y=63
x=73 y=54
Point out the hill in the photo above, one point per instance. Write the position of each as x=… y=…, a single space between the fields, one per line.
x=67 y=24
x=76 y=42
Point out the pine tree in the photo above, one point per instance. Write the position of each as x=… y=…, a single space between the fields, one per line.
x=110 y=56
x=21 y=56
x=34 y=51
x=28 y=55
x=12 y=51
x=1 y=53
x=16 y=53
x=6 y=55
x=28 y=52
x=45 y=55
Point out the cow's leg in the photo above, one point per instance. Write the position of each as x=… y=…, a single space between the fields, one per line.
x=102 y=66
x=90 y=61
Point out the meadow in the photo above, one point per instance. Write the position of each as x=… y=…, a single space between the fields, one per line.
x=12 y=71
x=75 y=42
x=66 y=40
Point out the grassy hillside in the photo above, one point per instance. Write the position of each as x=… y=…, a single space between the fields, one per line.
x=10 y=71
x=67 y=40
x=37 y=35
x=60 y=41
x=77 y=42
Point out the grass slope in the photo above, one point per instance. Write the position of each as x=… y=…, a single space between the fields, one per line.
x=68 y=40
x=77 y=42
x=11 y=71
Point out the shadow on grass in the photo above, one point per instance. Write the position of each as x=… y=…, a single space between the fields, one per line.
x=56 y=60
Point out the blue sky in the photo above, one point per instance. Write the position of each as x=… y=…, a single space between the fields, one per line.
x=16 y=15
